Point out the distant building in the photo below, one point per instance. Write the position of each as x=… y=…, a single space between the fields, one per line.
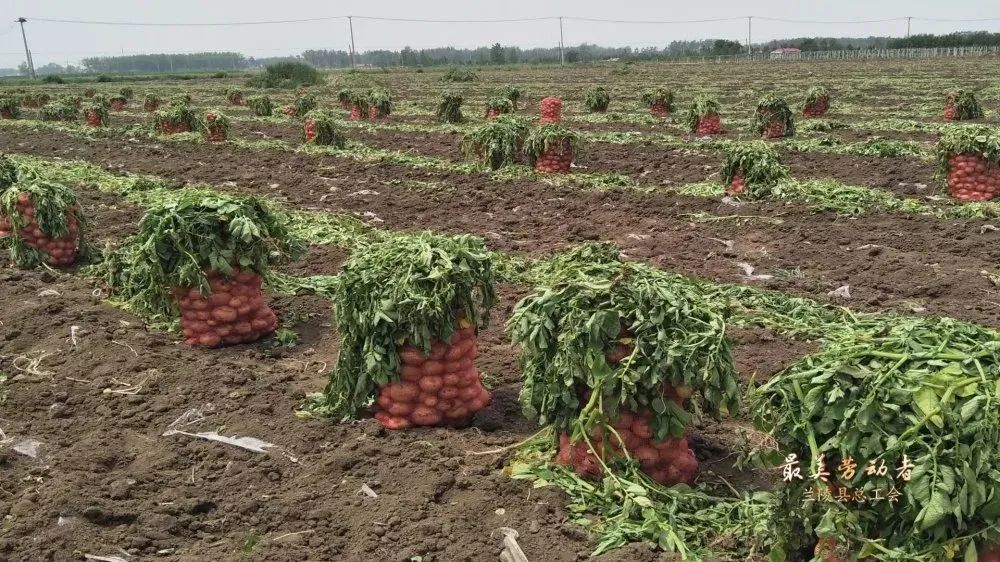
x=787 y=52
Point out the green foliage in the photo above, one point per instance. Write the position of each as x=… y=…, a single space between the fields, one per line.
x=99 y=108
x=758 y=164
x=289 y=74
x=8 y=172
x=51 y=202
x=966 y=105
x=381 y=99
x=511 y=92
x=497 y=143
x=586 y=299
x=127 y=93
x=551 y=136
x=234 y=96
x=53 y=79
x=450 y=108
x=406 y=289
x=499 y=105
x=702 y=106
x=923 y=388
x=260 y=105
x=183 y=237
x=304 y=104
x=885 y=148
x=658 y=96
x=219 y=122
x=174 y=115
x=456 y=74
x=597 y=100
x=772 y=109
x=629 y=508
x=57 y=111
x=821 y=125
x=328 y=132
x=11 y=106
x=816 y=94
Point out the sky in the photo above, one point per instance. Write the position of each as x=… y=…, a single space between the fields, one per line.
x=64 y=43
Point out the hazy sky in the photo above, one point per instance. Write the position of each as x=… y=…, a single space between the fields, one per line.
x=62 y=43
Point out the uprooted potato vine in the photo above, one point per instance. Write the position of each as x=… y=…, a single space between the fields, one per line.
x=597 y=99
x=183 y=237
x=628 y=507
x=497 y=143
x=405 y=289
x=926 y=389
x=571 y=322
x=757 y=164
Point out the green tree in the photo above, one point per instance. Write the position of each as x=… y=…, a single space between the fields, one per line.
x=497 y=54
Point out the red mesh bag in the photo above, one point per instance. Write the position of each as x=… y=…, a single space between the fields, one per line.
x=555 y=159
x=441 y=388
x=710 y=125
x=659 y=109
x=551 y=110
x=57 y=252
x=235 y=311
x=972 y=178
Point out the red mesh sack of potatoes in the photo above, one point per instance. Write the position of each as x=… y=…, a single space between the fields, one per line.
x=443 y=387
x=235 y=311
x=357 y=112
x=816 y=109
x=738 y=185
x=310 y=129
x=972 y=178
x=118 y=104
x=408 y=309
x=659 y=109
x=56 y=245
x=551 y=110
x=555 y=159
x=969 y=161
x=95 y=118
x=551 y=148
x=598 y=338
x=710 y=125
x=216 y=127
x=668 y=461
x=775 y=130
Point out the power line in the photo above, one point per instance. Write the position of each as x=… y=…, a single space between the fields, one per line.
x=409 y=20
x=655 y=22
x=219 y=24
x=849 y=22
x=501 y=20
x=957 y=20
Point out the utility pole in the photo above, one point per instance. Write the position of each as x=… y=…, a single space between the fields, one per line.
x=749 y=37
x=908 y=19
x=27 y=53
x=350 y=22
x=562 y=54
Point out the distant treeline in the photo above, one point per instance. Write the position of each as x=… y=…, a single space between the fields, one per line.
x=165 y=63
x=498 y=54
